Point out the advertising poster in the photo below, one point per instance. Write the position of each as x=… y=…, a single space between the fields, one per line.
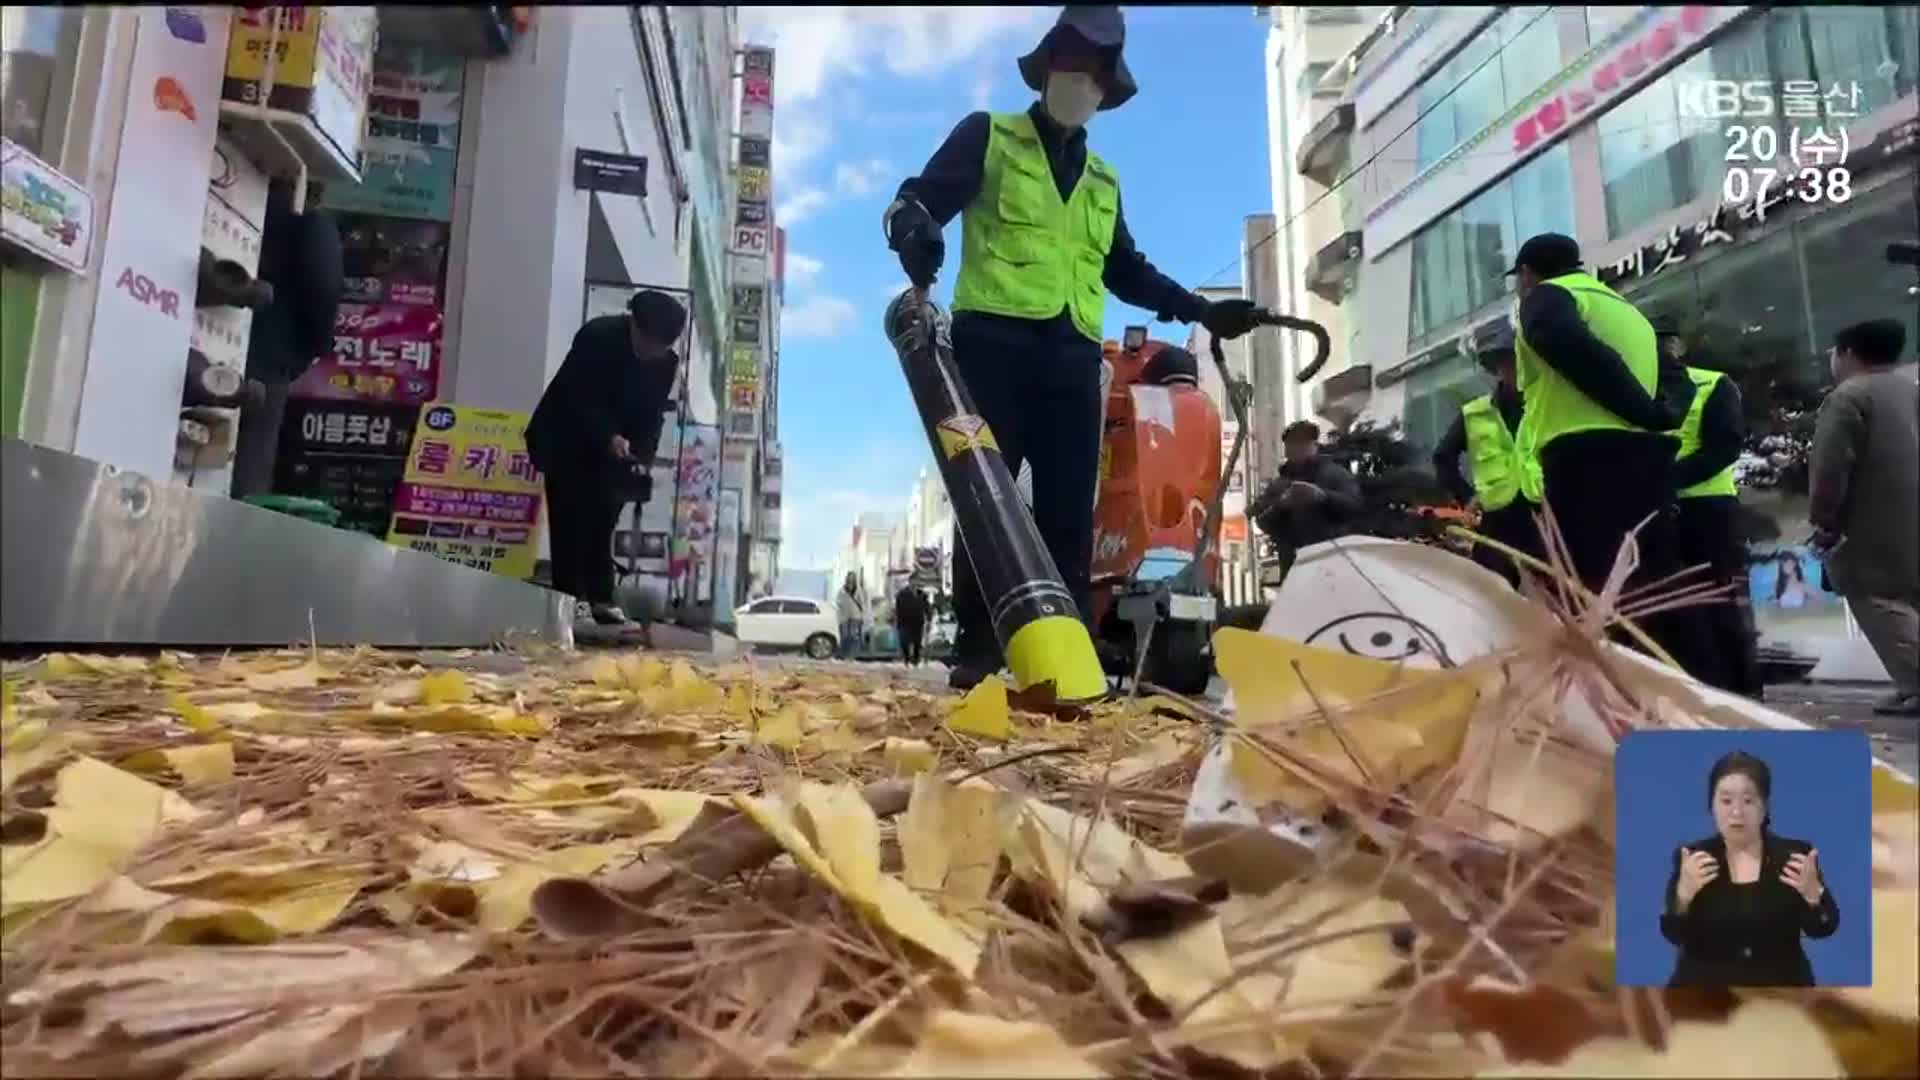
x=393 y=260
x=42 y=210
x=470 y=493
x=726 y=558
x=347 y=454
x=150 y=258
x=696 y=497
x=382 y=352
x=413 y=137
x=1786 y=586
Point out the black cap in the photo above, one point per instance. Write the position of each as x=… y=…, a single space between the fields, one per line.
x=1548 y=254
x=1301 y=431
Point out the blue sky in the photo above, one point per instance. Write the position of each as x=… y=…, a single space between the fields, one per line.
x=862 y=96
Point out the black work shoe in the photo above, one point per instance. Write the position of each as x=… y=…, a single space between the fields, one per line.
x=608 y=615
x=967 y=674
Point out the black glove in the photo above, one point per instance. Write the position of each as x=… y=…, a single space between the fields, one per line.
x=912 y=234
x=1229 y=319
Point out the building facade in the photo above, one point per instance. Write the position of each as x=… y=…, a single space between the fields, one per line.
x=1643 y=132
x=500 y=175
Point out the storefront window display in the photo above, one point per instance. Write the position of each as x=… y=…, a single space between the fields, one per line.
x=1654 y=157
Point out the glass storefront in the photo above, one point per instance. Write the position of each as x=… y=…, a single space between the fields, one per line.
x=38 y=49
x=1653 y=158
x=1459 y=260
x=1504 y=62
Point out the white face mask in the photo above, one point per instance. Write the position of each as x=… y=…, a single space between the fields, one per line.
x=1072 y=97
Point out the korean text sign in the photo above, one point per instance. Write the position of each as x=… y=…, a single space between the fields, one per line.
x=381 y=352
x=470 y=493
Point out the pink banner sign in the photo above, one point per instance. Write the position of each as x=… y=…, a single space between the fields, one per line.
x=385 y=352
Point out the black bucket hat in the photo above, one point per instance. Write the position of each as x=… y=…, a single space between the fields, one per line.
x=1103 y=28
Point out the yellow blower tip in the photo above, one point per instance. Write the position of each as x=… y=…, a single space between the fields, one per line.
x=1057 y=649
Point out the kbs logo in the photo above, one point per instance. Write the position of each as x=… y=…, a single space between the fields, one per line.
x=143 y=289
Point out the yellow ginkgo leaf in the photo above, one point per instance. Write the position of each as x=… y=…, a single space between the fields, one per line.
x=951 y=840
x=983 y=712
x=970 y=1044
x=904 y=757
x=780 y=729
x=211 y=763
x=70 y=665
x=196 y=718
x=1762 y=1038
x=1895 y=992
x=445 y=688
x=304 y=677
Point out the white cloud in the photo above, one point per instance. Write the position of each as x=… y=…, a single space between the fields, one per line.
x=801 y=205
x=820 y=316
x=861 y=178
x=813 y=528
x=803 y=270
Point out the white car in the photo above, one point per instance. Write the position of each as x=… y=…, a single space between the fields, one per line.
x=789 y=622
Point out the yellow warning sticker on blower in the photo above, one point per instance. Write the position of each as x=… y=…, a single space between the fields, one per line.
x=964 y=432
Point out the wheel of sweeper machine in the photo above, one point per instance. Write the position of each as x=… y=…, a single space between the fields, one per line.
x=1178 y=658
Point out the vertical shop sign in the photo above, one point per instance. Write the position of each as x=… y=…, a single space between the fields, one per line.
x=413 y=137
x=470 y=493
x=726 y=557
x=384 y=352
x=150 y=258
x=696 y=491
x=752 y=246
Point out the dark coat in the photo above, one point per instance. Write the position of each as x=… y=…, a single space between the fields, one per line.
x=1300 y=525
x=910 y=607
x=1746 y=935
x=601 y=390
x=303 y=258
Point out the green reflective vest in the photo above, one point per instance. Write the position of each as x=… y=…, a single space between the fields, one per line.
x=1500 y=470
x=1026 y=254
x=1554 y=406
x=1720 y=483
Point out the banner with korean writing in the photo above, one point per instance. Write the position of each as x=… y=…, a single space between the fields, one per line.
x=347 y=454
x=470 y=493
x=413 y=136
x=381 y=352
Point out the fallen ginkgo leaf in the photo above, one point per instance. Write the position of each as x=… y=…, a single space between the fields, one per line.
x=983 y=712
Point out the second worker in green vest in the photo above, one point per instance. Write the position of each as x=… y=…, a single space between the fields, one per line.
x=1711 y=437
x=1504 y=480
x=1600 y=410
x=1043 y=240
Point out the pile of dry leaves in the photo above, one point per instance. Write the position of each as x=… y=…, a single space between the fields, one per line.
x=543 y=864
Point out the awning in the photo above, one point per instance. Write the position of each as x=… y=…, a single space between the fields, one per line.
x=1331 y=268
x=1324 y=149
x=474 y=31
x=1342 y=397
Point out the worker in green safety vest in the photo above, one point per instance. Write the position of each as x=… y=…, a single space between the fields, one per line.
x=1708 y=525
x=1600 y=413
x=1503 y=481
x=1043 y=240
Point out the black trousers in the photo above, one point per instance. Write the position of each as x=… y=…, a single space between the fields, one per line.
x=1709 y=534
x=1600 y=485
x=913 y=636
x=256 y=448
x=1037 y=385
x=581 y=514
x=1512 y=525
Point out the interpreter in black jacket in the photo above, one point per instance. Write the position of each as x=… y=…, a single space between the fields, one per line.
x=594 y=436
x=1739 y=901
x=1043 y=222
x=302 y=257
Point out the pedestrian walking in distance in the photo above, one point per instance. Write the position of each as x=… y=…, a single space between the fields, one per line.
x=594 y=435
x=1865 y=498
x=851 y=611
x=910 y=622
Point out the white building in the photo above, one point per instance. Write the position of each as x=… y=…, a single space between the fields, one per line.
x=1474 y=128
x=1297 y=272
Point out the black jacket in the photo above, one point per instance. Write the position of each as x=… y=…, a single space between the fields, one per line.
x=302 y=257
x=1446 y=456
x=600 y=391
x=1746 y=935
x=1302 y=524
x=1722 y=432
x=1552 y=326
x=953 y=175
x=910 y=607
